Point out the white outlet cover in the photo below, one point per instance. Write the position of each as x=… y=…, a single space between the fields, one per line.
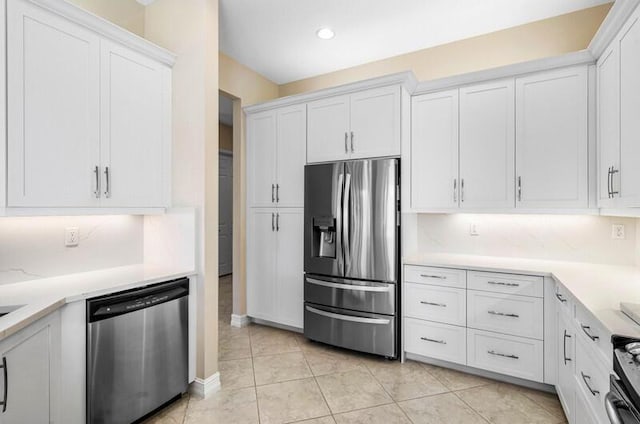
x=617 y=231
x=473 y=229
x=71 y=236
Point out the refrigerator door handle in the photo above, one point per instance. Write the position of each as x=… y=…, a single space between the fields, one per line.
x=348 y=317
x=345 y=223
x=353 y=287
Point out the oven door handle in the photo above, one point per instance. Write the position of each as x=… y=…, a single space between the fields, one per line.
x=611 y=404
x=352 y=287
x=351 y=318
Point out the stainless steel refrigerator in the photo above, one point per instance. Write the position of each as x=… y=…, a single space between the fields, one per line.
x=351 y=255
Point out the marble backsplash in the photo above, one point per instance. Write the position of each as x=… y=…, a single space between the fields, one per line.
x=34 y=247
x=579 y=238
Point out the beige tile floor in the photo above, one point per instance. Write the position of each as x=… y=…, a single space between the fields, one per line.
x=273 y=376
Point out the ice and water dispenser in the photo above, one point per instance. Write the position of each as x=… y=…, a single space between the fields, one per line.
x=324 y=237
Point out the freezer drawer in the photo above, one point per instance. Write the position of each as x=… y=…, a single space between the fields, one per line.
x=364 y=332
x=365 y=296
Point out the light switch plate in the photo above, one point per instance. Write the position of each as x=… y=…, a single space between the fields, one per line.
x=617 y=231
x=473 y=229
x=71 y=236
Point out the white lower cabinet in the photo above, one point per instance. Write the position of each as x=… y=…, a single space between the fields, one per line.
x=274 y=265
x=583 y=414
x=32 y=361
x=440 y=304
x=591 y=379
x=565 y=386
x=435 y=340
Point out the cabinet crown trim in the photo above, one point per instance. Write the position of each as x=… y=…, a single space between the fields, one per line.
x=406 y=79
x=612 y=24
x=107 y=29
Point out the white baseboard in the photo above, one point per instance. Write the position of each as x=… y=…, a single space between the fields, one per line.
x=205 y=388
x=239 y=321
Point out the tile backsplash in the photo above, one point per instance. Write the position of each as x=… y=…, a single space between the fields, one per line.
x=579 y=238
x=34 y=247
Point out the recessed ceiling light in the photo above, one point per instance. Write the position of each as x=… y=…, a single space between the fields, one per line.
x=325 y=33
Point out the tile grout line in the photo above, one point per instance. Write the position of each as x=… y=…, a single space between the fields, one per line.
x=469 y=406
x=316 y=381
x=253 y=368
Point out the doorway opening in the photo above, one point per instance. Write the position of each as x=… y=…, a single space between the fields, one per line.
x=225 y=208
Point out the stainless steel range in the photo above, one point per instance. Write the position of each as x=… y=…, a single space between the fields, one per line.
x=351 y=248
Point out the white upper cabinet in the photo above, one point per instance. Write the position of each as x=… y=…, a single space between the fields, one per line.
x=487 y=142
x=608 y=70
x=434 y=151
x=551 y=139
x=361 y=125
x=135 y=114
x=276 y=157
x=89 y=120
x=53 y=109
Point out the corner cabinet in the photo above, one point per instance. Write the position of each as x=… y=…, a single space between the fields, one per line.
x=364 y=124
x=89 y=119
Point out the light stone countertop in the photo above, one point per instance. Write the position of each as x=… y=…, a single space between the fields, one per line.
x=599 y=288
x=42 y=296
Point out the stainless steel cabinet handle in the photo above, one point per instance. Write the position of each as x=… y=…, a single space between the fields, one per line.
x=426 y=339
x=107 y=175
x=277 y=222
x=352 y=287
x=351 y=141
x=564 y=346
x=277 y=193
x=351 y=318
x=585 y=328
x=613 y=192
x=502 y=283
x=273 y=197
x=442 y=305
x=611 y=404
x=586 y=380
x=561 y=298
x=519 y=189
x=346 y=140
x=609 y=182
x=96 y=171
x=462 y=190
x=273 y=225
x=455 y=190
x=6 y=383
x=504 y=355
x=503 y=314
x=440 y=277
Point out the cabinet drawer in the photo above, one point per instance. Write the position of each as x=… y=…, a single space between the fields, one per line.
x=503 y=313
x=596 y=338
x=524 y=285
x=440 y=341
x=436 y=276
x=510 y=355
x=434 y=303
x=592 y=379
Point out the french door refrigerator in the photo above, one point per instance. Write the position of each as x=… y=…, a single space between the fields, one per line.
x=351 y=255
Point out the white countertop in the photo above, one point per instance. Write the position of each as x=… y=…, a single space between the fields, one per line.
x=599 y=288
x=45 y=295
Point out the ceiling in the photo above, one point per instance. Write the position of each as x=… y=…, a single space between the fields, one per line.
x=277 y=38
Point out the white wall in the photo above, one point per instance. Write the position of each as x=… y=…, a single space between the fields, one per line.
x=579 y=238
x=34 y=247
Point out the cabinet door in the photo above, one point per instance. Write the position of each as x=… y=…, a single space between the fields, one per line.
x=566 y=364
x=53 y=109
x=434 y=151
x=261 y=159
x=375 y=123
x=289 y=269
x=28 y=380
x=551 y=139
x=487 y=145
x=608 y=69
x=261 y=263
x=327 y=129
x=291 y=156
x=629 y=106
x=583 y=413
x=134 y=140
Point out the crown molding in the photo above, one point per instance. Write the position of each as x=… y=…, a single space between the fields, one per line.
x=613 y=22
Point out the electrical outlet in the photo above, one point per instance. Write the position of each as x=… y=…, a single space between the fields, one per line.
x=71 y=236
x=473 y=229
x=617 y=231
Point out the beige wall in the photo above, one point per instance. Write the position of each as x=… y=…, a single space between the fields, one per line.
x=189 y=28
x=128 y=14
x=246 y=87
x=549 y=37
x=225 y=135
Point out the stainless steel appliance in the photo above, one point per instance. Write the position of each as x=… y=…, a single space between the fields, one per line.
x=137 y=351
x=622 y=403
x=351 y=260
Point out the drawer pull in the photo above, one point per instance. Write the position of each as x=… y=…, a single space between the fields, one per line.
x=426 y=339
x=561 y=298
x=564 y=343
x=502 y=314
x=586 y=380
x=502 y=283
x=440 y=277
x=442 y=305
x=586 y=329
x=504 y=355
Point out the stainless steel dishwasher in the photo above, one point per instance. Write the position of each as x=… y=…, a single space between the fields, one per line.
x=137 y=351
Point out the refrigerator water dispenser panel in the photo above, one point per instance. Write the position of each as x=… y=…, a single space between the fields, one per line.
x=324 y=237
